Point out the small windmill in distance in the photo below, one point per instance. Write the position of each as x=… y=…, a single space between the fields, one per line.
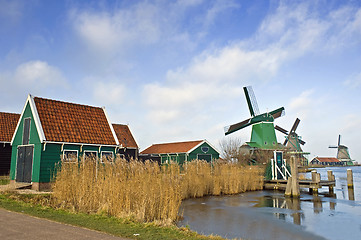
x=293 y=142
x=342 y=152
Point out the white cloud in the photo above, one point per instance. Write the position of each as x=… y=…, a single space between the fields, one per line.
x=219 y=7
x=39 y=74
x=35 y=77
x=111 y=32
x=32 y=76
x=303 y=104
x=109 y=93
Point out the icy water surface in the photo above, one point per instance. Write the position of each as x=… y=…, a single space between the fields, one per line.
x=269 y=215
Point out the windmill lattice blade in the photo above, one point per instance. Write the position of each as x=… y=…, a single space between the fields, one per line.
x=278 y=112
x=301 y=141
x=332 y=146
x=282 y=130
x=251 y=101
x=237 y=126
x=295 y=125
x=285 y=142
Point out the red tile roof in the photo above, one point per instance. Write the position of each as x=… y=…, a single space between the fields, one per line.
x=124 y=135
x=73 y=123
x=8 y=122
x=177 y=147
x=327 y=159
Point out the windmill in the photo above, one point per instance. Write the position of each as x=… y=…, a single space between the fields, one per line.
x=263 y=131
x=342 y=152
x=293 y=142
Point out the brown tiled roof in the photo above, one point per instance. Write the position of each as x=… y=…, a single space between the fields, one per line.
x=8 y=122
x=327 y=159
x=124 y=135
x=177 y=147
x=73 y=123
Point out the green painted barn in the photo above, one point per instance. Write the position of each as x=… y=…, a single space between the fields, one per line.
x=49 y=131
x=181 y=152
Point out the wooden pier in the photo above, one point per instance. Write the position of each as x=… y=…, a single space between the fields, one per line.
x=312 y=184
x=307 y=183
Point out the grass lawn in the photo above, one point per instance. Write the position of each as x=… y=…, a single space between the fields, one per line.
x=4 y=180
x=111 y=225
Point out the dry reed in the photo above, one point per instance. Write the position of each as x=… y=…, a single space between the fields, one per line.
x=146 y=191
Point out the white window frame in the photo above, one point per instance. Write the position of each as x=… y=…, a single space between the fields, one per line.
x=90 y=151
x=22 y=140
x=101 y=156
x=70 y=150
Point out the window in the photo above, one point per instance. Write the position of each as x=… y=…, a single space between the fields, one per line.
x=206 y=157
x=70 y=155
x=26 y=131
x=107 y=156
x=90 y=155
x=205 y=149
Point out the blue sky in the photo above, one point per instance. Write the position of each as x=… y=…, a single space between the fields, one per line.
x=174 y=70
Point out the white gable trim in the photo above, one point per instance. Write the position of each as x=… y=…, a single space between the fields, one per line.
x=35 y=114
x=204 y=141
x=38 y=125
x=111 y=127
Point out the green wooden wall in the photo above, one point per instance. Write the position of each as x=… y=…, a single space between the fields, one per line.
x=33 y=140
x=45 y=158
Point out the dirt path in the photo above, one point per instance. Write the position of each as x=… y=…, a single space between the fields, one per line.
x=20 y=226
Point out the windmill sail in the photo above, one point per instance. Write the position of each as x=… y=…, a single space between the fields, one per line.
x=278 y=112
x=282 y=130
x=295 y=125
x=251 y=101
x=237 y=126
x=291 y=135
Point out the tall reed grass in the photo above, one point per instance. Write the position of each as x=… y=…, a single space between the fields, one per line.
x=146 y=191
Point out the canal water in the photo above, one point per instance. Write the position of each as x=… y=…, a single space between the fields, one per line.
x=269 y=215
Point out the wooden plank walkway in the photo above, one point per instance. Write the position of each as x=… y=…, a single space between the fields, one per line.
x=306 y=183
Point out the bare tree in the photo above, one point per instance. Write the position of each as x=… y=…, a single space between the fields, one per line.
x=232 y=151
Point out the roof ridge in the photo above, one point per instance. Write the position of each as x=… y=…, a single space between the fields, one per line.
x=178 y=142
x=60 y=101
x=11 y=113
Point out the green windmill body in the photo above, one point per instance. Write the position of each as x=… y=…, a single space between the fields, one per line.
x=263 y=131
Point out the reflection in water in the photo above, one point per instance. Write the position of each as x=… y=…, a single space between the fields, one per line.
x=269 y=215
x=285 y=203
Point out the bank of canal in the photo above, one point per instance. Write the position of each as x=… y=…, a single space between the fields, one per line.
x=269 y=215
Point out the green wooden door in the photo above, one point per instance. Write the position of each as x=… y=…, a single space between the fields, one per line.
x=24 y=163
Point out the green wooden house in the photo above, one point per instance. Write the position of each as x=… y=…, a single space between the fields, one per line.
x=181 y=152
x=49 y=131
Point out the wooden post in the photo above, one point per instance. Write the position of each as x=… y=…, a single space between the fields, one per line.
x=330 y=177
x=288 y=192
x=293 y=188
x=294 y=172
x=316 y=178
x=349 y=178
x=351 y=194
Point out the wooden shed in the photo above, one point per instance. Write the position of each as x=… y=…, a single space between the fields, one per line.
x=49 y=131
x=8 y=123
x=181 y=152
x=129 y=147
